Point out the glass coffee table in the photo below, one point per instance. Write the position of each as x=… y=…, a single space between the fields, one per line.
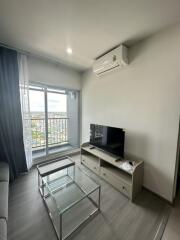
x=70 y=195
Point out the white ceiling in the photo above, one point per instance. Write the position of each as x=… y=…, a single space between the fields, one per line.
x=90 y=27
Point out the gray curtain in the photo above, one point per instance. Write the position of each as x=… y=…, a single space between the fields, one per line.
x=11 y=131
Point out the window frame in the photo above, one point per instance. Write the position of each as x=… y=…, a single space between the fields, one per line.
x=57 y=89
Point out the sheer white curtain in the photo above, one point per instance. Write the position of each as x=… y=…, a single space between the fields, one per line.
x=25 y=107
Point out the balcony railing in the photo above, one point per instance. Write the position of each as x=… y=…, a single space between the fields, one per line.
x=57 y=132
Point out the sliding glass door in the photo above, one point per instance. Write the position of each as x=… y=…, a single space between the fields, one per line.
x=38 y=125
x=55 y=120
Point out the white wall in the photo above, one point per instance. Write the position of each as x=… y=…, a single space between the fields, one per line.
x=53 y=74
x=73 y=122
x=144 y=99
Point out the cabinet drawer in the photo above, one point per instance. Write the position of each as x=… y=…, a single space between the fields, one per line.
x=118 y=183
x=93 y=165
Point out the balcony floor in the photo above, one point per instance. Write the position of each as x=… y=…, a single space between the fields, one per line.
x=52 y=150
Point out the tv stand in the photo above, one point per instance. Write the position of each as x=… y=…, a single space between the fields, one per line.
x=125 y=175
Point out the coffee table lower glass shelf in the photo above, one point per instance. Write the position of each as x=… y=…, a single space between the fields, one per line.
x=71 y=198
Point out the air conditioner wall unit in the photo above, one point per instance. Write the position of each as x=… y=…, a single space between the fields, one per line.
x=117 y=58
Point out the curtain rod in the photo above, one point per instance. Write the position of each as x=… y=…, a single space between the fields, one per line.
x=28 y=53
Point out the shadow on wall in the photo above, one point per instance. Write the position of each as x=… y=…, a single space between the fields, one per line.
x=136 y=51
x=155 y=178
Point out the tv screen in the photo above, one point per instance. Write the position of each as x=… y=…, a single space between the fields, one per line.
x=109 y=139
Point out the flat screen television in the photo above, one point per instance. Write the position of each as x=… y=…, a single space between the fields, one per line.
x=109 y=139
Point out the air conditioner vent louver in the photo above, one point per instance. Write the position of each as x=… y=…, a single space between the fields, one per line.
x=112 y=60
x=109 y=69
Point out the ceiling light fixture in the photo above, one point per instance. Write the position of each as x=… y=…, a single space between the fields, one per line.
x=69 y=50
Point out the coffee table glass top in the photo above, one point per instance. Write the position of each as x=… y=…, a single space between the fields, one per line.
x=68 y=187
x=54 y=166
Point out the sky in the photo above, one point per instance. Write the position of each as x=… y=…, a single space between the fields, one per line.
x=56 y=102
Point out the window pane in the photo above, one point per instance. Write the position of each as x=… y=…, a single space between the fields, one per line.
x=37 y=109
x=57 y=122
x=57 y=105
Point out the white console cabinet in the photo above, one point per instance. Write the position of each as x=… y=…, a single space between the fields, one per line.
x=126 y=176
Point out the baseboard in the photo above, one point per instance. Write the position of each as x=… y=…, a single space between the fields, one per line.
x=55 y=156
x=157 y=195
x=160 y=231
